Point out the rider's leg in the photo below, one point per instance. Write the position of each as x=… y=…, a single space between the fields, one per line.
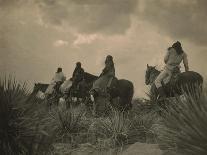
x=109 y=82
x=168 y=78
x=158 y=83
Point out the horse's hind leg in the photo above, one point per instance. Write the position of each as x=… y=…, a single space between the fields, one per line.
x=94 y=109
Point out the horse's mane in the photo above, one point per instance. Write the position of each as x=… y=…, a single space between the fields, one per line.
x=89 y=77
x=153 y=74
x=155 y=71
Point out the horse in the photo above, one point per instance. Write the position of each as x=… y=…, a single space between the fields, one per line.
x=189 y=82
x=124 y=90
x=39 y=87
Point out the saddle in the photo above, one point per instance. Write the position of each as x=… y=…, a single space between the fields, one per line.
x=107 y=90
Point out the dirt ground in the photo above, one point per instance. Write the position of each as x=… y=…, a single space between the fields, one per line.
x=134 y=149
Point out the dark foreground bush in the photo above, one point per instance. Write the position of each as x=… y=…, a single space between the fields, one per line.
x=21 y=121
x=185 y=126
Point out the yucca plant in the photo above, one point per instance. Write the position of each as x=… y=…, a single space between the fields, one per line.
x=112 y=130
x=21 y=122
x=15 y=128
x=185 y=126
x=67 y=124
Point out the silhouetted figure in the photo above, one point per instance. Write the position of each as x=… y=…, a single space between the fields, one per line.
x=105 y=79
x=174 y=56
x=78 y=74
x=57 y=80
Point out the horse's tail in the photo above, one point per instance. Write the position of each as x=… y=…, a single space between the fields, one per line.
x=127 y=93
x=130 y=95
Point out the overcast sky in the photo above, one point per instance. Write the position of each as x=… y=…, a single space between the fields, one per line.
x=37 y=36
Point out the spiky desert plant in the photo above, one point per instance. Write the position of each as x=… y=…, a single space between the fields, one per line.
x=185 y=126
x=68 y=124
x=111 y=130
x=15 y=128
x=21 y=119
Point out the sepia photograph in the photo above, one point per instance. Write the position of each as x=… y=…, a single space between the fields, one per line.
x=103 y=77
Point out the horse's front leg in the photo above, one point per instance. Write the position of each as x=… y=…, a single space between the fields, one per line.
x=153 y=94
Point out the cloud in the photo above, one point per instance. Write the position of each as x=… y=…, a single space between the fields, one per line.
x=181 y=19
x=89 y=16
x=8 y=3
x=85 y=39
x=59 y=43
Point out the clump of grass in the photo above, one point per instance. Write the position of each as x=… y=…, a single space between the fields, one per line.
x=111 y=131
x=68 y=125
x=119 y=129
x=185 y=129
x=146 y=124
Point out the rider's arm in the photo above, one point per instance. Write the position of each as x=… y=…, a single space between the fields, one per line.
x=185 y=62
x=73 y=75
x=63 y=78
x=82 y=71
x=166 y=56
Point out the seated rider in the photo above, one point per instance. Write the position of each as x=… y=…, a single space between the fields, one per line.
x=109 y=70
x=78 y=75
x=174 y=56
x=105 y=79
x=58 y=78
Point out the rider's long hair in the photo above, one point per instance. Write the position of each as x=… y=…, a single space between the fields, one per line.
x=59 y=70
x=177 y=46
x=109 y=60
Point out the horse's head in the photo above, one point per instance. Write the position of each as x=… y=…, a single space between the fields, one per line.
x=36 y=87
x=149 y=71
x=39 y=86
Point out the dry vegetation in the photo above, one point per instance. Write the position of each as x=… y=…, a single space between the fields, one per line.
x=27 y=127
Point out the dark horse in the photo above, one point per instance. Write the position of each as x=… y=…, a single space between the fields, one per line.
x=39 y=87
x=53 y=98
x=124 y=90
x=188 y=82
x=89 y=79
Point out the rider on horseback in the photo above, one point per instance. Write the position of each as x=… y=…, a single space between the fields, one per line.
x=104 y=82
x=78 y=75
x=59 y=76
x=174 y=56
x=109 y=70
x=57 y=80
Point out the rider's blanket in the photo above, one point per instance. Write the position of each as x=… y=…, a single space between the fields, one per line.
x=101 y=83
x=50 y=88
x=66 y=86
